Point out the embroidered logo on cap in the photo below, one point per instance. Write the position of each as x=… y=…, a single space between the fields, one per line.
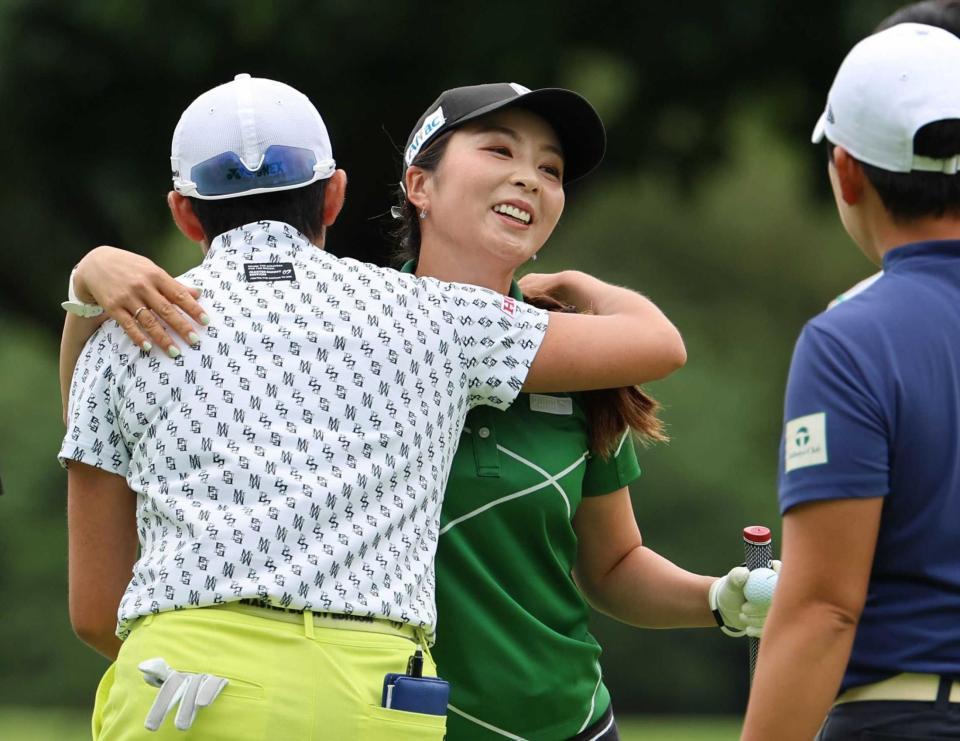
x=433 y=122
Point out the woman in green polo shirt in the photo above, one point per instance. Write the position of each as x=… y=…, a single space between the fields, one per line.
x=537 y=519
x=537 y=522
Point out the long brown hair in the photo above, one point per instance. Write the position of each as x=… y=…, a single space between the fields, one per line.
x=613 y=412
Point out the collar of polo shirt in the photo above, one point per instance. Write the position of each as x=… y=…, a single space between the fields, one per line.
x=410 y=267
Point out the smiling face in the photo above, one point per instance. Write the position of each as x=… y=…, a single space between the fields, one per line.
x=497 y=194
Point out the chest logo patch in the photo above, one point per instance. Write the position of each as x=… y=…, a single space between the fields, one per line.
x=264 y=272
x=551 y=404
x=805 y=441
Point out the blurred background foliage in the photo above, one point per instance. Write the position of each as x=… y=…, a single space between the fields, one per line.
x=711 y=201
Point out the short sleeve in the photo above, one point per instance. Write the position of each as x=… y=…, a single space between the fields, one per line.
x=607 y=476
x=835 y=440
x=93 y=429
x=498 y=337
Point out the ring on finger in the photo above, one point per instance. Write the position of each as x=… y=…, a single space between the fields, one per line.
x=137 y=312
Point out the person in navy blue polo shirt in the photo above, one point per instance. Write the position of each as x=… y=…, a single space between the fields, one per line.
x=867 y=613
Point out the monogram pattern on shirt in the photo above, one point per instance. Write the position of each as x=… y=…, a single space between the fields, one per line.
x=301 y=453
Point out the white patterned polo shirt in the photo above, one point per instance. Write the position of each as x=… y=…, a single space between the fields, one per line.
x=301 y=453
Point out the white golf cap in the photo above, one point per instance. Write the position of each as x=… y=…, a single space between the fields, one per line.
x=249 y=136
x=890 y=85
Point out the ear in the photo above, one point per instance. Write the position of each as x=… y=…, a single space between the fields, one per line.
x=416 y=180
x=184 y=217
x=850 y=176
x=333 y=196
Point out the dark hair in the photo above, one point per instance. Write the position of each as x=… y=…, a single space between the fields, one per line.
x=941 y=13
x=913 y=195
x=407 y=231
x=613 y=412
x=301 y=208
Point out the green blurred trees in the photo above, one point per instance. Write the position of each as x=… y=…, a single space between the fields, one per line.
x=92 y=91
x=712 y=104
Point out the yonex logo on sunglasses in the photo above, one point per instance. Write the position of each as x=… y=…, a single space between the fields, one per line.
x=267 y=170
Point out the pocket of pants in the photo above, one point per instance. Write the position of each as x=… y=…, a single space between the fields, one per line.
x=386 y=724
x=238 y=712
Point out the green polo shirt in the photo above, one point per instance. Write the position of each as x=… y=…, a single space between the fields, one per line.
x=512 y=627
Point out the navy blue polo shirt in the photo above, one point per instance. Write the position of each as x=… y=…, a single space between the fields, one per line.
x=873 y=410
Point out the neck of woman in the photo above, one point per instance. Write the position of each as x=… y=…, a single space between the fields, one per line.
x=464 y=266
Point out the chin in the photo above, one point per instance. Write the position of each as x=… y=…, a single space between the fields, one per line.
x=515 y=255
x=505 y=250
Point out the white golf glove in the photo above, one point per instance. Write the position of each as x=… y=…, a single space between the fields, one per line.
x=736 y=615
x=192 y=691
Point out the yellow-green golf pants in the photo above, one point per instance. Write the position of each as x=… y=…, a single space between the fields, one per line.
x=291 y=676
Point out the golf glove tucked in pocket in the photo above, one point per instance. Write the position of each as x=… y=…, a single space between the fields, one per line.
x=191 y=691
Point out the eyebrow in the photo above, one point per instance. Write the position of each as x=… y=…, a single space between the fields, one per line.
x=497 y=128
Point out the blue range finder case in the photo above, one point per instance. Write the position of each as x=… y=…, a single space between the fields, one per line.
x=428 y=695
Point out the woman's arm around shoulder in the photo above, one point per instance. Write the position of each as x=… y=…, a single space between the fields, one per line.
x=137 y=294
x=623 y=341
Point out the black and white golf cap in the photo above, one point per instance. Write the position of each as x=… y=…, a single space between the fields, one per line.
x=577 y=124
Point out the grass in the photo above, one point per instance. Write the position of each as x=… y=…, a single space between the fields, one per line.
x=54 y=724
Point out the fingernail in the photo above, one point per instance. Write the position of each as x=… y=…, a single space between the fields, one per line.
x=204 y=319
x=147 y=347
x=193 y=338
x=173 y=351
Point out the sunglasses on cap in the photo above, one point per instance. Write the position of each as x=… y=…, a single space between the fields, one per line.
x=280 y=167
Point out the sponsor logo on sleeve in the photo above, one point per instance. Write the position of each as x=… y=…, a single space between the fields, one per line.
x=805 y=441
x=509 y=306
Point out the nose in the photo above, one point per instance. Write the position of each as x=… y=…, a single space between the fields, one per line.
x=525 y=177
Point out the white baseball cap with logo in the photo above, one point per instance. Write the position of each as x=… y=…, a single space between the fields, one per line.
x=889 y=86
x=248 y=136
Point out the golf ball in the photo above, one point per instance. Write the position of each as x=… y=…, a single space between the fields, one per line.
x=760 y=585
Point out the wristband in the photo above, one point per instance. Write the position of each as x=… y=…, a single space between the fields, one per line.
x=74 y=305
x=715 y=609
